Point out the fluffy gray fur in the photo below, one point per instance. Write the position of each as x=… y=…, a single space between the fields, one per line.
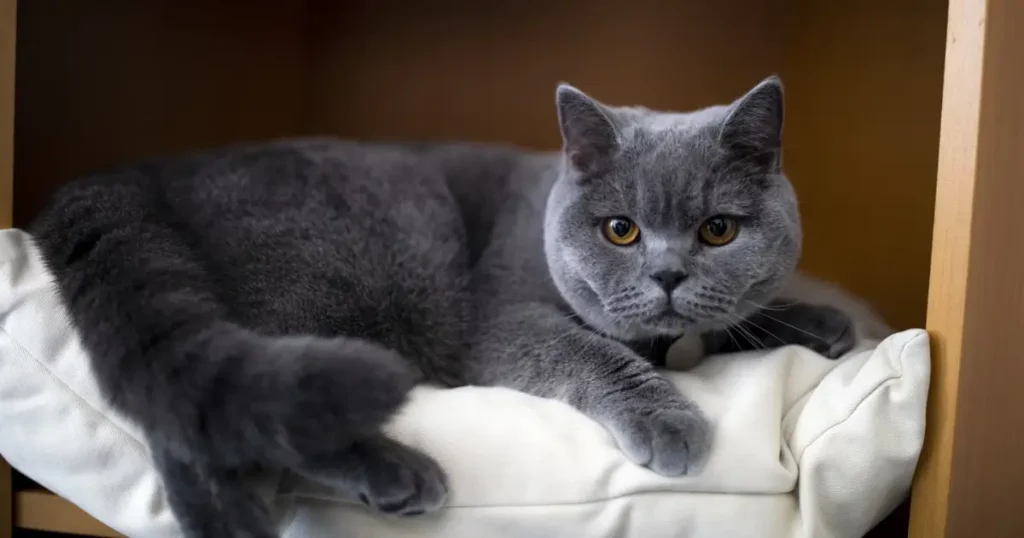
x=270 y=305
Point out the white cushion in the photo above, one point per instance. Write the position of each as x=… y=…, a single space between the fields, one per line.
x=805 y=447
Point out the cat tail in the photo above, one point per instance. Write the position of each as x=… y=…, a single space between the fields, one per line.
x=165 y=351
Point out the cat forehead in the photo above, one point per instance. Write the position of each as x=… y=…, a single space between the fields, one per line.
x=670 y=123
x=668 y=139
x=672 y=169
x=670 y=151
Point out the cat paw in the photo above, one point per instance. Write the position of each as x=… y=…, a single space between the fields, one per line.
x=403 y=481
x=386 y=476
x=832 y=333
x=672 y=438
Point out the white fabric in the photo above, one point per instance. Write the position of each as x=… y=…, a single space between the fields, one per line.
x=804 y=447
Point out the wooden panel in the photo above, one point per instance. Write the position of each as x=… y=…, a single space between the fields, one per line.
x=43 y=511
x=971 y=476
x=100 y=86
x=458 y=69
x=6 y=500
x=8 y=33
x=8 y=24
x=863 y=81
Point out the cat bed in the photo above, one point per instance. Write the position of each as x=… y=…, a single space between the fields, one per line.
x=804 y=446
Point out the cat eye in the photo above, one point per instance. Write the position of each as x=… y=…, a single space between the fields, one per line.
x=620 y=231
x=718 y=231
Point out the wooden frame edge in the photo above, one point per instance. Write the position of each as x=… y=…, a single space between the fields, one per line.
x=8 y=33
x=6 y=500
x=954 y=195
x=970 y=473
x=44 y=511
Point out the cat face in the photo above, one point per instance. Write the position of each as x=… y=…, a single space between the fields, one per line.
x=663 y=223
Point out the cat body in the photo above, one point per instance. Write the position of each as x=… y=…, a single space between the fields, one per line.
x=267 y=305
x=270 y=305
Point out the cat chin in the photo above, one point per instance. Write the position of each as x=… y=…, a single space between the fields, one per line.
x=671 y=327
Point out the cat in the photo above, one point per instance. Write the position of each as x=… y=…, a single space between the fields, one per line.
x=270 y=305
x=654 y=225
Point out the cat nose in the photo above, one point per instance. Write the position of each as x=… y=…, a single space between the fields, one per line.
x=669 y=280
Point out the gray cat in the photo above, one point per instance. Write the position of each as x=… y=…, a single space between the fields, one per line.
x=270 y=305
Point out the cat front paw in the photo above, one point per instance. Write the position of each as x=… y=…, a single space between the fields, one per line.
x=831 y=332
x=386 y=476
x=402 y=481
x=671 y=437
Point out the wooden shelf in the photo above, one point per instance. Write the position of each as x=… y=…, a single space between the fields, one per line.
x=6 y=500
x=43 y=511
x=916 y=99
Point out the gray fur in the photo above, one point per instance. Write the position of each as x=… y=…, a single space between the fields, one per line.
x=270 y=305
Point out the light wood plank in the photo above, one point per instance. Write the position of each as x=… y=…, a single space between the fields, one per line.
x=951 y=240
x=971 y=475
x=44 y=511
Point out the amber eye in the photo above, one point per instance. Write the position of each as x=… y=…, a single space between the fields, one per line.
x=620 y=231
x=718 y=231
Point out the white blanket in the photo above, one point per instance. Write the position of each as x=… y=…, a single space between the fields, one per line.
x=804 y=446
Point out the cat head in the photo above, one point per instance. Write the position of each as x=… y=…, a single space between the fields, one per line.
x=662 y=223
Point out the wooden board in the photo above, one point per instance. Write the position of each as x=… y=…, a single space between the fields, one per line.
x=44 y=511
x=8 y=32
x=8 y=24
x=971 y=474
x=6 y=500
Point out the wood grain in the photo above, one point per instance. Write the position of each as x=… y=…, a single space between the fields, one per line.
x=44 y=511
x=951 y=243
x=971 y=474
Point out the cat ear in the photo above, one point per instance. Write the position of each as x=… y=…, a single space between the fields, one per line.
x=753 y=129
x=589 y=137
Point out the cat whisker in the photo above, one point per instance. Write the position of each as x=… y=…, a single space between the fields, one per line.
x=774 y=307
x=561 y=337
x=765 y=331
x=728 y=332
x=589 y=344
x=746 y=334
x=566 y=334
x=794 y=327
x=758 y=343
